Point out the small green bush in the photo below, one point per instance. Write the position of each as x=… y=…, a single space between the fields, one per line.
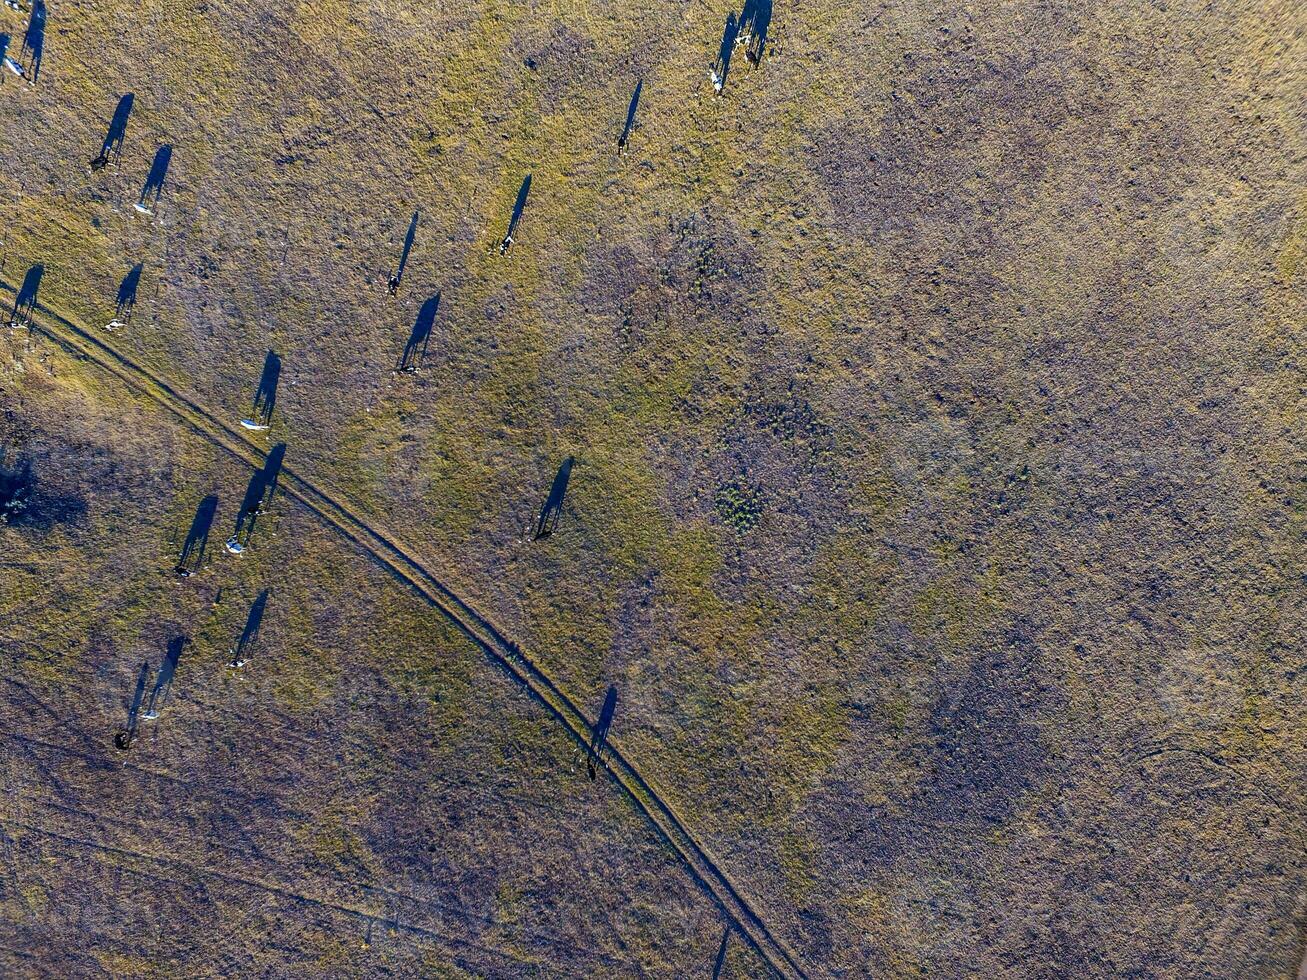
x=739 y=505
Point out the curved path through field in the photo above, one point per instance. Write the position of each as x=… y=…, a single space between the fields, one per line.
x=396 y=559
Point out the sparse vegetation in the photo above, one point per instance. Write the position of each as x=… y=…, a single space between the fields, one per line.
x=739 y=505
x=937 y=511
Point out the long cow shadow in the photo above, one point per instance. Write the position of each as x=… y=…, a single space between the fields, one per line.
x=265 y=395
x=154 y=180
x=403 y=256
x=125 y=735
x=601 y=730
x=197 y=538
x=25 y=301
x=248 y=514
x=127 y=294
x=250 y=635
x=163 y=682
x=755 y=21
x=723 y=64
x=34 y=39
x=415 y=351
x=518 y=206
x=272 y=470
x=112 y=147
x=630 y=116
x=552 y=512
x=721 y=955
x=258 y=495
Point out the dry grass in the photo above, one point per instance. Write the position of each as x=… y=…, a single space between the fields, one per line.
x=938 y=416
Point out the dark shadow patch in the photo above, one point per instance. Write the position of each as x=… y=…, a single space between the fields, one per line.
x=720 y=962
x=755 y=22
x=125 y=736
x=153 y=188
x=34 y=40
x=415 y=351
x=25 y=503
x=265 y=395
x=112 y=147
x=127 y=290
x=398 y=275
x=552 y=512
x=250 y=635
x=272 y=470
x=259 y=493
x=255 y=492
x=600 y=737
x=163 y=682
x=197 y=538
x=630 y=116
x=518 y=206
x=25 y=299
x=248 y=514
x=722 y=66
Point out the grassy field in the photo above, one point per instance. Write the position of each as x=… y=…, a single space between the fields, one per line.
x=937 y=404
x=365 y=796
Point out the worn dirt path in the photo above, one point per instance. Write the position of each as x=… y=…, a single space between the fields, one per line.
x=400 y=562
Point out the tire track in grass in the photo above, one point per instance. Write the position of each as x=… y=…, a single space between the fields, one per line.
x=480 y=629
x=334 y=892
x=123 y=854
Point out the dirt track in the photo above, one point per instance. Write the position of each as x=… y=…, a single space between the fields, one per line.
x=504 y=653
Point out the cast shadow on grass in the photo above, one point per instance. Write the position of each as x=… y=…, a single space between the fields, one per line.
x=398 y=276
x=265 y=395
x=154 y=180
x=123 y=739
x=127 y=293
x=601 y=730
x=251 y=505
x=248 y=514
x=755 y=21
x=415 y=351
x=34 y=39
x=630 y=117
x=552 y=512
x=721 y=68
x=272 y=470
x=721 y=955
x=258 y=495
x=518 y=207
x=250 y=634
x=163 y=682
x=112 y=147
x=197 y=538
x=25 y=300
